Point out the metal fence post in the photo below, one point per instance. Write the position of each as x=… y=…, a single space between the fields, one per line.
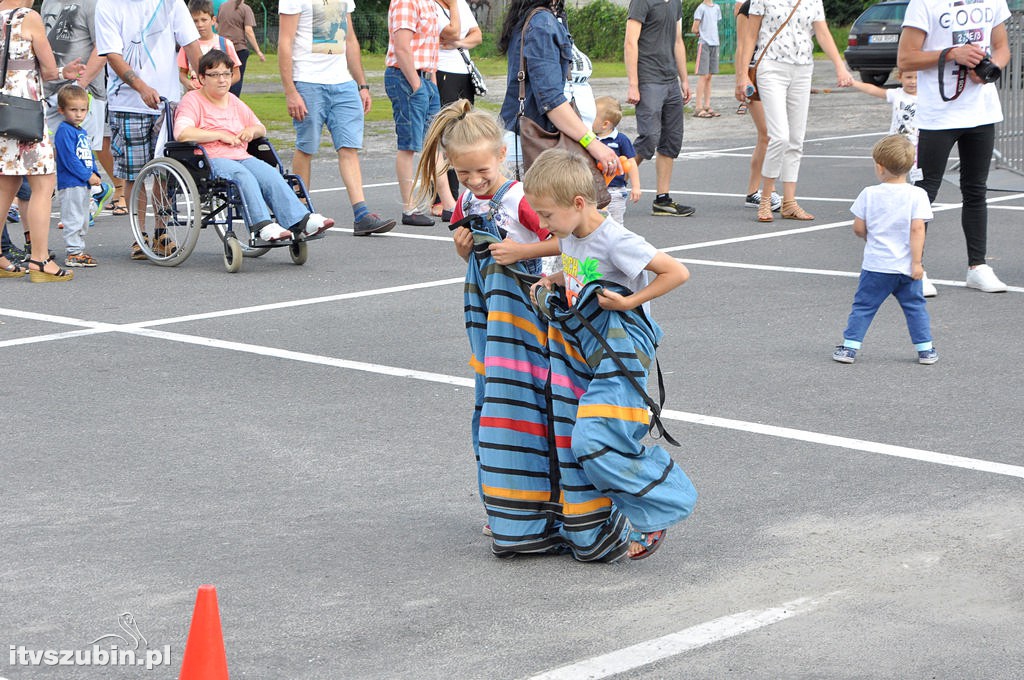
x=1009 y=147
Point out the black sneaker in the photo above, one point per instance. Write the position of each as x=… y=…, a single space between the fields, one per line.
x=417 y=220
x=372 y=224
x=15 y=254
x=671 y=208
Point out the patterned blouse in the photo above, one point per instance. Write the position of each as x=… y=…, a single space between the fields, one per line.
x=795 y=44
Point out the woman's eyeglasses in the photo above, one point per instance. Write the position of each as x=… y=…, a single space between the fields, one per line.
x=218 y=74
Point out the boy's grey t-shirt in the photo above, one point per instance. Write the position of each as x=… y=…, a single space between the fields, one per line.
x=71 y=30
x=612 y=253
x=708 y=16
x=656 y=59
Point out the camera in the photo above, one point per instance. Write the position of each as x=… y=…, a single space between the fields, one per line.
x=988 y=71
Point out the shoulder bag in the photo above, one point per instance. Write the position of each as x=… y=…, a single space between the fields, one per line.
x=20 y=118
x=534 y=139
x=752 y=71
x=477 y=78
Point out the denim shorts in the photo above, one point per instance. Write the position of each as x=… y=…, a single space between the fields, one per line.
x=413 y=111
x=337 y=106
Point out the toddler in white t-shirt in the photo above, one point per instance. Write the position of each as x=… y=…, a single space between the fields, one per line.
x=890 y=216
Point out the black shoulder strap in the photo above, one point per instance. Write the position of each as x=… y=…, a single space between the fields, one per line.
x=657 y=428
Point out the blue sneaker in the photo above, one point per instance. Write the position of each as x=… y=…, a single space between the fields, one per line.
x=101 y=195
x=844 y=354
x=927 y=356
x=13 y=215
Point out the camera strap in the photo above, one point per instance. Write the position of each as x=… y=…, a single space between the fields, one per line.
x=961 y=77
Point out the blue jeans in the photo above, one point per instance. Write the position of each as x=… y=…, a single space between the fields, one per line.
x=336 y=106
x=261 y=184
x=872 y=290
x=412 y=111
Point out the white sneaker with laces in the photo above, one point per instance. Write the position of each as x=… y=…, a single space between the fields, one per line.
x=984 y=279
x=274 y=232
x=928 y=287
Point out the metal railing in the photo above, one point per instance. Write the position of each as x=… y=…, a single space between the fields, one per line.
x=1009 y=151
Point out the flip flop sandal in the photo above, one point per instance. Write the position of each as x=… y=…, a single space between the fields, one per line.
x=741 y=109
x=119 y=207
x=703 y=113
x=713 y=113
x=651 y=541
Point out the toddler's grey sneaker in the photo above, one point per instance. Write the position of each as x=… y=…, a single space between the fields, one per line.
x=927 y=356
x=844 y=354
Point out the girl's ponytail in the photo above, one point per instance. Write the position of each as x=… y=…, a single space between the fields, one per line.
x=433 y=145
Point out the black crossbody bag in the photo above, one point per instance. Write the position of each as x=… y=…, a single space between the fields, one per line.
x=20 y=118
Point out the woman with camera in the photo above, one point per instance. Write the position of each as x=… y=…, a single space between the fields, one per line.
x=958 y=51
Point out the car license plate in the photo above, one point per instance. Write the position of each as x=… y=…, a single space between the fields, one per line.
x=886 y=38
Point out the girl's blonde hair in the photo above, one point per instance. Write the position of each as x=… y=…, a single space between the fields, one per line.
x=456 y=129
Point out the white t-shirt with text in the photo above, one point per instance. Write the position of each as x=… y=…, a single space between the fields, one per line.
x=887 y=210
x=318 y=53
x=948 y=23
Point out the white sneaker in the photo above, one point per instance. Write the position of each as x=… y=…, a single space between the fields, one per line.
x=754 y=201
x=928 y=287
x=274 y=232
x=984 y=279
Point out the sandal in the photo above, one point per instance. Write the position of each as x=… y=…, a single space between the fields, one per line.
x=137 y=253
x=741 y=109
x=12 y=271
x=703 y=113
x=713 y=113
x=119 y=207
x=791 y=210
x=764 y=208
x=650 y=540
x=40 y=275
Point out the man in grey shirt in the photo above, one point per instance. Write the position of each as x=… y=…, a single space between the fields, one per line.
x=656 y=70
x=71 y=31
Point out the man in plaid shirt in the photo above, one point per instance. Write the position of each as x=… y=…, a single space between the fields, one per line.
x=409 y=82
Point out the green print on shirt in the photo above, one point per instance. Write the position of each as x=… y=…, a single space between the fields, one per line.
x=589 y=270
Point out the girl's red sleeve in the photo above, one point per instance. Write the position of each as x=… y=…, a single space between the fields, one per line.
x=528 y=218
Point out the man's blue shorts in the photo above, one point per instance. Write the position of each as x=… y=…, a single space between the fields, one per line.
x=413 y=111
x=339 y=107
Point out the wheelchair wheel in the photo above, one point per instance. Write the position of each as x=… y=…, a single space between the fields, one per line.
x=232 y=255
x=171 y=203
x=241 y=231
x=299 y=252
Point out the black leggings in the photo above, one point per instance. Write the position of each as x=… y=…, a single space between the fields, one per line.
x=975 y=146
x=452 y=87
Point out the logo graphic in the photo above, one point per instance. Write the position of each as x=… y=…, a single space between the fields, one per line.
x=128 y=649
x=127 y=623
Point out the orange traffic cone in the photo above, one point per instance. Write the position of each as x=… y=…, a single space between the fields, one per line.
x=204 y=657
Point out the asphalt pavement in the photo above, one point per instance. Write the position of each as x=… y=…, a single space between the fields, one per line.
x=298 y=436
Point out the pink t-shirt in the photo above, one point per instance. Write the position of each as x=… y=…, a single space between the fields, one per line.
x=206 y=46
x=195 y=110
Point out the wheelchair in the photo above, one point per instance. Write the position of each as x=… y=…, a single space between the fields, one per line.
x=181 y=196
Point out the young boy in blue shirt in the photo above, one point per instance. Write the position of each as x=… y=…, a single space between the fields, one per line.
x=77 y=175
x=609 y=115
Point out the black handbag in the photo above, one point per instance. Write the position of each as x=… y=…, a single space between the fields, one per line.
x=20 y=118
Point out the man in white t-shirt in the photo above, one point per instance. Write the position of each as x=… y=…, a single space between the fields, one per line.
x=322 y=73
x=138 y=39
x=960 y=109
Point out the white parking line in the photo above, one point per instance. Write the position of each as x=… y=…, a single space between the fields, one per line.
x=695 y=637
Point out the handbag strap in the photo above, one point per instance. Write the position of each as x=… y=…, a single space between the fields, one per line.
x=7 y=45
x=776 y=34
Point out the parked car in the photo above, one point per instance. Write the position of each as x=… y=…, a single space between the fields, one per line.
x=874 y=41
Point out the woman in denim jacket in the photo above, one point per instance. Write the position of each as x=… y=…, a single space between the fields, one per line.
x=548 y=49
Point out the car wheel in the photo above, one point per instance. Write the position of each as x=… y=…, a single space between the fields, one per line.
x=875 y=77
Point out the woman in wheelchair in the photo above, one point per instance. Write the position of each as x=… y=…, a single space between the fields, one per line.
x=224 y=125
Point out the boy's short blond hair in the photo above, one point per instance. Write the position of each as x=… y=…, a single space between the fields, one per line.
x=71 y=93
x=561 y=176
x=895 y=153
x=609 y=109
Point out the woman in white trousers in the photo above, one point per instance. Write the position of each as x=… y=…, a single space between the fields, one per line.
x=784 y=85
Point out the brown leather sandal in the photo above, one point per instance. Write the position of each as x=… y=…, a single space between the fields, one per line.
x=764 y=209
x=791 y=210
